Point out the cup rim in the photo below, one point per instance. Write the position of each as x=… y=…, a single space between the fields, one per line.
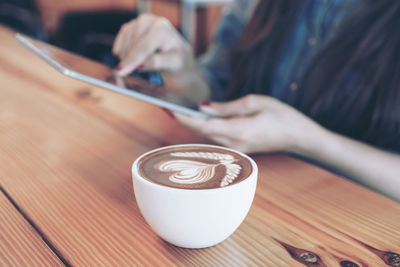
x=135 y=169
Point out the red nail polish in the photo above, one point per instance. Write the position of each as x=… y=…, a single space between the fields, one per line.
x=118 y=68
x=169 y=113
x=205 y=103
x=140 y=67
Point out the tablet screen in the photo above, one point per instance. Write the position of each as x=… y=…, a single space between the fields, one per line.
x=62 y=59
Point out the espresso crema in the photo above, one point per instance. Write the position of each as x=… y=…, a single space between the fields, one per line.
x=194 y=167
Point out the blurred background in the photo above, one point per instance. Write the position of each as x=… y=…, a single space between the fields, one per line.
x=88 y=27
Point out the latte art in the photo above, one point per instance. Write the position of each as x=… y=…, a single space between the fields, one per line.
x=194 y=167
x=192 y=172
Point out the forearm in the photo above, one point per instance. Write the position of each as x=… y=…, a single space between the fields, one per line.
x=367 y=165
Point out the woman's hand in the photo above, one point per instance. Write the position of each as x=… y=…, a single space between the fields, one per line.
x=151 y=43
x=263 y=124
x=254 y=123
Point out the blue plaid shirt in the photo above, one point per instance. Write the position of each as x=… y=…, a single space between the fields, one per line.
x=316 y=23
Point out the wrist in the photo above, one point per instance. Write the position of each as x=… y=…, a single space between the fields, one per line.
x=312 y=141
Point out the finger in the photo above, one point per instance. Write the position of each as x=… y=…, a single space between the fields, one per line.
x=137 y=30
x=244 y=106
x=221 y=140
x=145 y=47
x=120 y=39
x=196 y=124
x=170 y=60
x=131 y=29
x=200 y=125
x=229 y=128
x=128 y=39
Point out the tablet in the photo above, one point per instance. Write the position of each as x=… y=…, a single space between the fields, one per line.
x=100 y=75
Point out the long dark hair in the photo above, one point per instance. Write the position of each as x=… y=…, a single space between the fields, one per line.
x=352 y=86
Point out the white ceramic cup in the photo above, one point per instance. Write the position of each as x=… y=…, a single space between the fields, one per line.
x=194 y=218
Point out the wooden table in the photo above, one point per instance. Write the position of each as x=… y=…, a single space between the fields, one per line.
x=66 y=192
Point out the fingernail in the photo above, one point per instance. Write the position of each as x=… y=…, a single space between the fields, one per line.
x=169 y=113
x=205 y=103
x=140 y=67
x=118 y=68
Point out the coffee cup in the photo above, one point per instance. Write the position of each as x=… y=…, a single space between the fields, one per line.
x=194 y=196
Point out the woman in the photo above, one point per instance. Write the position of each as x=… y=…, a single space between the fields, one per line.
x=318 y=78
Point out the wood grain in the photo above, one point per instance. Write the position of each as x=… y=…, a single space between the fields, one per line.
x=20 y=244
x=65 y=155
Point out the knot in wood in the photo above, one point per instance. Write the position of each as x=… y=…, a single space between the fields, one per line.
x=393 y=259
x=348 y=264
x=308 y=257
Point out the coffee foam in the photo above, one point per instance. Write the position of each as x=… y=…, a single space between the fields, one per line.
x=195 y=167
x=194 y=172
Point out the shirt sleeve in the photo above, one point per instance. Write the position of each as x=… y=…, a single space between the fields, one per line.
x=216 y=63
